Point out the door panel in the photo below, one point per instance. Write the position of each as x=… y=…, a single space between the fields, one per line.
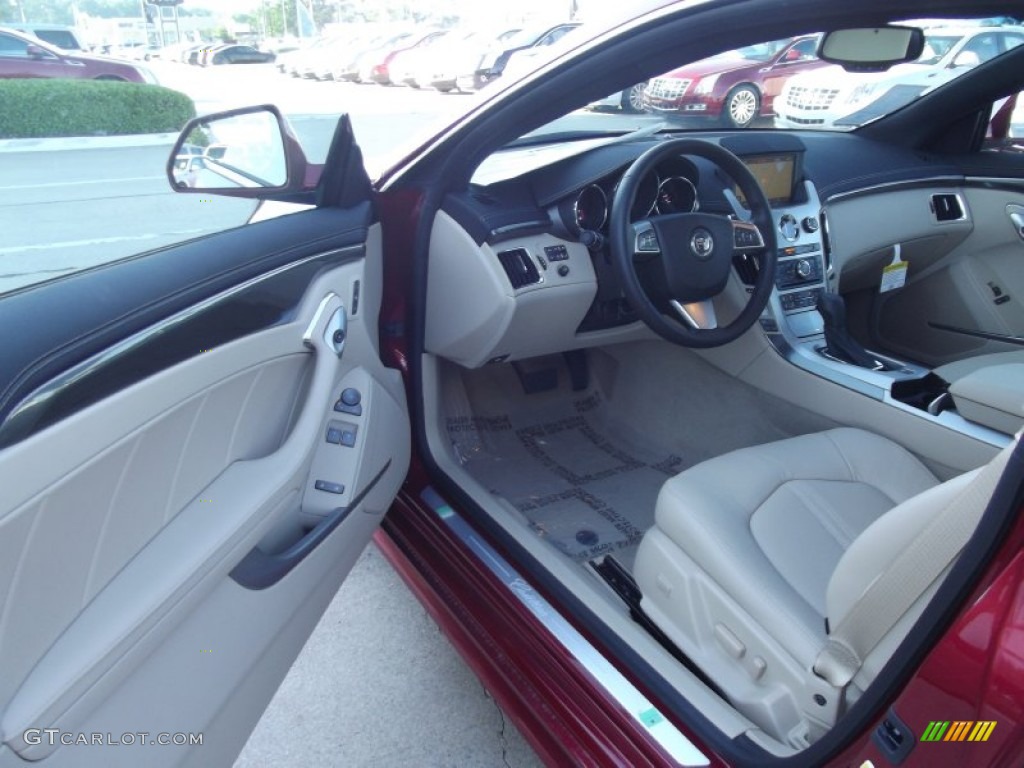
x=959 y=306
x=137 y=480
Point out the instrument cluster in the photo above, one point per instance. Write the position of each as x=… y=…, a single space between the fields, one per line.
x=671 y=187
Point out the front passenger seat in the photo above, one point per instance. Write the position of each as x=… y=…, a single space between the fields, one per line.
x=752 y=551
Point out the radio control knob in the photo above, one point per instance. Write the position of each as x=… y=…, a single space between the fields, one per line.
x=803 y=269
x=810 y=224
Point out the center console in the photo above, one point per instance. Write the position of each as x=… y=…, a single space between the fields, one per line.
x=792 y=321
x=796 y=328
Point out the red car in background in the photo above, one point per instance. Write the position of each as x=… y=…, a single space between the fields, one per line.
x=23 y=55
x=374 y=67
x=736 y=87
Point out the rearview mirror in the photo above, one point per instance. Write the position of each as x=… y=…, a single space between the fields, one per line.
x=871 y=49
x=250 y=152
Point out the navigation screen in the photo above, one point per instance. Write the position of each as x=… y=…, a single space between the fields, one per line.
x=775 y=175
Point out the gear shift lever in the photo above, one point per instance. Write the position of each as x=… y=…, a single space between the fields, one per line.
x=838 y=341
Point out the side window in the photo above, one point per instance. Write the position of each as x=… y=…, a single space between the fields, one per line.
x=59 y=38
x=12 y=46
x=803 y=51
x=553 y=36
x=1006 y=125
x=977 y=51
x=1011 y=41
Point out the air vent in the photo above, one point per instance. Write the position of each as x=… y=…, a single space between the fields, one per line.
x=519 y=267
x=946 y=207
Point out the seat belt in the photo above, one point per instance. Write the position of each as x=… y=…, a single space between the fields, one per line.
x=893 y=593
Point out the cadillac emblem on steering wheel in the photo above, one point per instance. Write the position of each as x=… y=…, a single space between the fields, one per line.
x=702 y=244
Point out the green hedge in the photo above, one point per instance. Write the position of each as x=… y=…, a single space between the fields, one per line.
x=40 y=108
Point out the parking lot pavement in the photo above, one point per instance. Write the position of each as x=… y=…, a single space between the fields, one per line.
x=379 y=685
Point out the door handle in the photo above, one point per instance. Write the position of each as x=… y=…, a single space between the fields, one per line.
x=1016 y=214
x=259 y=569
x=335 y=329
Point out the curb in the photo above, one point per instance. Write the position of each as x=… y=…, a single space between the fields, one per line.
x=87 y=142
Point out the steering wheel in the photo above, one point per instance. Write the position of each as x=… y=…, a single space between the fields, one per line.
x=679 y=262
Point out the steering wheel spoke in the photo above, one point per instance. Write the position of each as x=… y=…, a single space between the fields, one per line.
x=746 y=237
x=645 y=239
x=670 y=267
x=699 y=315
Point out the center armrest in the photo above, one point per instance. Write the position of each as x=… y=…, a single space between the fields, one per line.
x=992 y=396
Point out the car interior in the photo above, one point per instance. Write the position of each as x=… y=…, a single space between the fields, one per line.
x=721 y=458
x=735 y=402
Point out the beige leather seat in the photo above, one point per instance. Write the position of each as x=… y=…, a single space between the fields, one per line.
x=752 y=550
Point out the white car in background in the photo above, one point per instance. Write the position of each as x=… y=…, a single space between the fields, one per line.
x=628 y=100
x=832 y=98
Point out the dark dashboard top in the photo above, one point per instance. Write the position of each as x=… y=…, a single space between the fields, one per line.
x=835 y=163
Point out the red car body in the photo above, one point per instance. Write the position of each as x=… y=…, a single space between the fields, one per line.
x=377 y=65
x=735 y=88
x=23 y=56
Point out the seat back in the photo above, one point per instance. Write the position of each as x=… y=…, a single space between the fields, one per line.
x=876 y=591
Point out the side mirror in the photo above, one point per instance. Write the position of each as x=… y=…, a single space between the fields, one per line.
x=35 y=52
x=871 y=49
x=250 y=152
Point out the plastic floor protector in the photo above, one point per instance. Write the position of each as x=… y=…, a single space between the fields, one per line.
x=585 y=490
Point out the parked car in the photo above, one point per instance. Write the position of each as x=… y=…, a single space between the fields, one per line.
x=319 y=64
x=58 y=35
x=627 y=100
x=734 y=88
x=491 y=64
x=702 y=447
x=295 y=62
x=200 y=53
x=190 y=54
x=406 y=65
x=440 y=68
x=525 y=60
x=206 y=54
x=23 y=55
x=240 y=54
x=188 y=166
x=832 y=97
x=375 y=66
x=353 y=66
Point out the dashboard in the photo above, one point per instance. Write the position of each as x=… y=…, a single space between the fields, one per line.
x=526 y=251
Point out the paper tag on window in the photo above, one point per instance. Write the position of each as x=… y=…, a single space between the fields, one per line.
x=894 y=276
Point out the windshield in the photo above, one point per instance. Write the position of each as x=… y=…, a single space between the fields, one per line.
x=87 y=184
x=782 y=85
x=759 y=52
